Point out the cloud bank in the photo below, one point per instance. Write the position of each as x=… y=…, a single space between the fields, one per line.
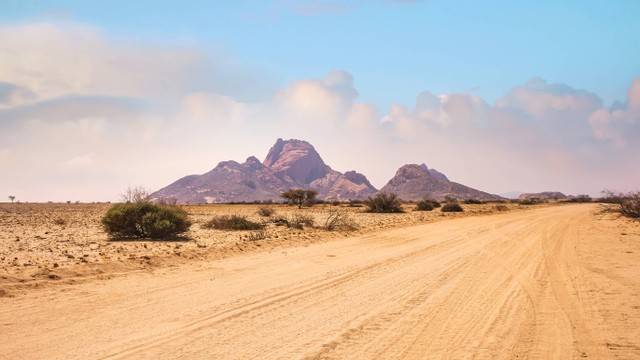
x=83 y=115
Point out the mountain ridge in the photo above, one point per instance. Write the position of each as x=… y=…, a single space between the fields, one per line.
x=296 y=164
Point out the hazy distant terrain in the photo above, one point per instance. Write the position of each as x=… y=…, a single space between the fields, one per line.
x=296 y=164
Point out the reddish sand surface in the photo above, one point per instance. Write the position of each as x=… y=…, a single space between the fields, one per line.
x=555 y=282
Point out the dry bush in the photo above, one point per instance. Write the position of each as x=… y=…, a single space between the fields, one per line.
x=427 y=205
x=452 y=207
x=384 y=203
x=501 y=207
x=300 y=221
x=625 y=204
x=266 y=211
x=339 y=220
x=60 y=221
x=473 y=201
x=232 y=222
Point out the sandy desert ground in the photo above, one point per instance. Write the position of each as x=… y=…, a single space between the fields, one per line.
x=558 y=282
x=54 y=243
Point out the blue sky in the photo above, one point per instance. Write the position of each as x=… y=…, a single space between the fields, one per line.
x=393 y=49
x=250 y=55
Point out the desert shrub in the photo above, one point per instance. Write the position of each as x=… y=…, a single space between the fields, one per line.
x=300 y=221
x=501 y=207
x=427 y=205
x=527 y=202
x=266 y=211
x=232 y=222
x=452 y=207
x=473 y=201
x=384 y=203
x=339 y=220
x=335 y=203
x=424 y=205
x=355 y=203
x=627 y=205
x=144 y=220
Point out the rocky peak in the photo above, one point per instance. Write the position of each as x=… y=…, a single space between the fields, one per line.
x=296 y=160
x=413 y=171
x=253 y=163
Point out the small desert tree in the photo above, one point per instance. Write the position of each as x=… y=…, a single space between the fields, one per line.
x=11 y=197
x=300 y=197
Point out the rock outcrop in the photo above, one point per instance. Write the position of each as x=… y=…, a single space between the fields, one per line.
x=414 y=182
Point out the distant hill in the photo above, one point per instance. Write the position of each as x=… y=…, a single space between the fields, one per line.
x=546 y=195
x=415 y=182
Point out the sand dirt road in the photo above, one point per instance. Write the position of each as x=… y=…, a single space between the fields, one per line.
x=550 y=283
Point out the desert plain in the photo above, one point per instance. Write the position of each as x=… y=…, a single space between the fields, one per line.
x=554 y=281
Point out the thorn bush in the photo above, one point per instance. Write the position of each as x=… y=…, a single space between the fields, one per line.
x=384 y=203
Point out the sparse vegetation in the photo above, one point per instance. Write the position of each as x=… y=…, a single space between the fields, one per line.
x=340 y=221
x=581 y=199
x=266 y=211
x=427 y=205
x=501 y=207
x=232 y=222
x=171 y=201
x=452 y=207
x=527 y=202
x=625 y=204
x=59 y=221
x=300 y=221
x=12 y=198
x=473 y=201
x=300 y=197
x=144 y=220
x=384 y=203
